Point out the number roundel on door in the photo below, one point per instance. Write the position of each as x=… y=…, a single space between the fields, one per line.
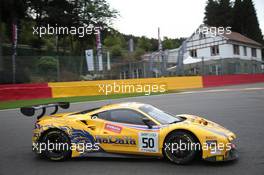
x=148 y=142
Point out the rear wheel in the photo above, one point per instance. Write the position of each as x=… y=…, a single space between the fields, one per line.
x=180 y=147
x=57 y=145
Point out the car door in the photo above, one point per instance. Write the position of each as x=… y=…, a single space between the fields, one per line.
x=125 y=132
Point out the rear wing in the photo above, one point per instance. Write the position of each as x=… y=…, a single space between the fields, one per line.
x=30 y=111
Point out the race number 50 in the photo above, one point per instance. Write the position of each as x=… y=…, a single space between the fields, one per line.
x=148 y=142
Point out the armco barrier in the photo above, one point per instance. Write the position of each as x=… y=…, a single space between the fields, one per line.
x=90 y=88
x=224 y=80
x=24 y=91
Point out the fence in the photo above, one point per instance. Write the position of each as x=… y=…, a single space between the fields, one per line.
x=38 y=65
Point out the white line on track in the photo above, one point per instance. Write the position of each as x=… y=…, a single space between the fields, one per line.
x=221 y=90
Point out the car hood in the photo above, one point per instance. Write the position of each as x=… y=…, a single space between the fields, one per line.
x=208 y=125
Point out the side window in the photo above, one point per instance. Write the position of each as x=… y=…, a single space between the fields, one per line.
x=104 y=115
x=236 y=49
x=123 y=116
x=126 y=116
x=193 y=53
x=254 y=52
x=214 y=50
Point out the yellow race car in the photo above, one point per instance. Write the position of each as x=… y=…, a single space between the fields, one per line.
x=129 y=129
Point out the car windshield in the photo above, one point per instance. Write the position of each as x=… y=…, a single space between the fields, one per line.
x=159 y=115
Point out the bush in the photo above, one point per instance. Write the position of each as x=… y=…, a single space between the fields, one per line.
x=47 y=67
x=47 y=63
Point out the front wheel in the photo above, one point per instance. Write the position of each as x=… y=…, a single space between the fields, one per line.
x=180 y=147
x=57 y=145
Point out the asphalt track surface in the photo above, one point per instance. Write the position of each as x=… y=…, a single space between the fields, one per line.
x=239 y=108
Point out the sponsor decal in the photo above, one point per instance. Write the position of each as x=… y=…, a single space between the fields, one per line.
x=210 y=137
x=113 y=128
x=115 y=140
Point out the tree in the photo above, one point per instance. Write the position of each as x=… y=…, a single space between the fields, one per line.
x=218 y=13
x=154 y=44
x=96 y=12
x=211 y=13
x=169 y=43
x=112 y=40
x=72 y=13
x=241 y=17
x=115 y=44
x=1 y=52
x=10 y=11
x=245 y=20
x=144 y=43
x=237 y=23
x=224 y=14
x=250 y=24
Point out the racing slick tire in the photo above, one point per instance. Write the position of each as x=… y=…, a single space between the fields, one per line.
x=57 y=145
x=174 y=149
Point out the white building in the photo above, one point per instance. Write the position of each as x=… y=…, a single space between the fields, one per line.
x=222 y=52
x=233 y=45
x=208 y=51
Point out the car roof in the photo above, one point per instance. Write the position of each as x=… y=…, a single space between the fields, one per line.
x=131 y=105
x=128 y=105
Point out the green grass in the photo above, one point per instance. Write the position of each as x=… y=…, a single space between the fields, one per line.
x=21 y=103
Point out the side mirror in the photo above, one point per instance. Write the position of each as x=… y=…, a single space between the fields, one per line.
x=94 y=117
x=147 y=122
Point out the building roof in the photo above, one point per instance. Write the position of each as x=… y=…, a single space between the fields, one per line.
x=234 y=36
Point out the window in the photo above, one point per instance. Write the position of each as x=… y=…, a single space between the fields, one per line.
x=254 y=52
x=103 y=115
x=245 y=50
x=236 y=49
x=123 y=116
x=214 y=50
x=159 y=115
x=193 y=53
